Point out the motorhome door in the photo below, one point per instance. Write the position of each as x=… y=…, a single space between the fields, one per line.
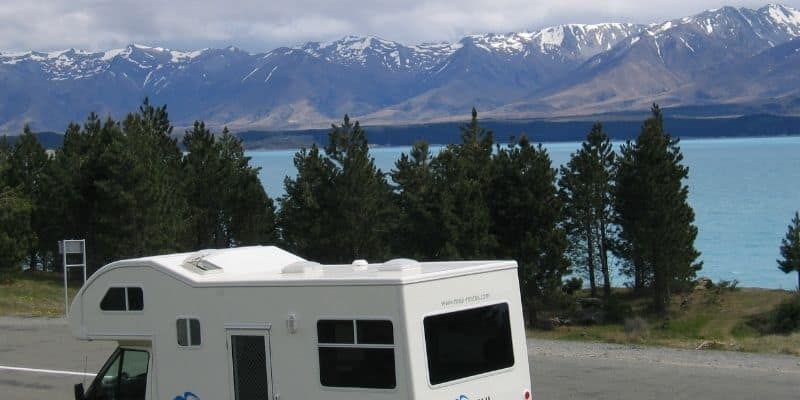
x=250 y=364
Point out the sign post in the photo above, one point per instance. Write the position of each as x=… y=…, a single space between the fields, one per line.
x=66 y=247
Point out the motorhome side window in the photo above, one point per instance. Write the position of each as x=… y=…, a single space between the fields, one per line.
x=188 y=332
x=123 y=377
x=123 y=299
x=356 y=353
x=466 y=343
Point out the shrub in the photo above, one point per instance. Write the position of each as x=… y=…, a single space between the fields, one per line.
x=572 y=285
x=616 y=311
x=562 y=303
x=786 y=318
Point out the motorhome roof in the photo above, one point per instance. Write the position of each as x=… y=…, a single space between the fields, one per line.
x=272 y=266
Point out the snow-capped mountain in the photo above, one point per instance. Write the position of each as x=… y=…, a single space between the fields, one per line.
x=371 y=51
x=652 y=65
x=568 y=69
x=572 y=41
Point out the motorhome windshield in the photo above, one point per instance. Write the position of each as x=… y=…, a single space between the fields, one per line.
x=467 y=343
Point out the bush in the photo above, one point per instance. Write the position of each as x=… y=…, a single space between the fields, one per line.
x=572 y=285
x=561 y=303
x=616 y=311
x=786 y=318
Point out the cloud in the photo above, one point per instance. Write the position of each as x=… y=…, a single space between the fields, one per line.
x=259 y=25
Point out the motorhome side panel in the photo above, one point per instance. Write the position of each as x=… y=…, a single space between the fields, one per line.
x=456 y=310
x=202 y=366
x=117 y=303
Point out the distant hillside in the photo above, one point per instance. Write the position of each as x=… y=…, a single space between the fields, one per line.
x=619 y=127
x=726 y=59
x=537 y=130
x=50 y=140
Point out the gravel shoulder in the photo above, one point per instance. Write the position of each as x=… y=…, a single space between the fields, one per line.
x=714 y=359
x=599 y=371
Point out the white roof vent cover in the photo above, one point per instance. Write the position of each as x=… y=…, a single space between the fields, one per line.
x=198 y=264
x=399 y=264
x=299 y=267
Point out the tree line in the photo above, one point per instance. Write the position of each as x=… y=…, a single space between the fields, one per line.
x=131 y=190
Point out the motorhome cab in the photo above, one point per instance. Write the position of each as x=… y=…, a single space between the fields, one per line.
x=259 y=323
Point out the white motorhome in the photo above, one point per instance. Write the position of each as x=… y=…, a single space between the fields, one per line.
x=259 y=323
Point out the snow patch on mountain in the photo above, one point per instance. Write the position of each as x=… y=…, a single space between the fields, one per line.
x=785 y=17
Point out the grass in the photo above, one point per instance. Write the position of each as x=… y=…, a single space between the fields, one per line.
x=37 y=294
x=715 y=319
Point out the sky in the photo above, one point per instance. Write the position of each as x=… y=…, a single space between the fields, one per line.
x=261 y=25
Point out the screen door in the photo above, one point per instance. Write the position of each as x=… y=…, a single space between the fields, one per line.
x=250 y=365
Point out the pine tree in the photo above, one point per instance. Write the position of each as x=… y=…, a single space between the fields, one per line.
x=156 y=189
x=790 y=249
x=110 y=180
x=586 y=189
x=28 y=169
x=238 y=211
x=629 y=209
x=202 y=171
x=339 y=206
x=462 y=173
x=67 y=210
x=5 y=155
x=362 y=197
x=15 y=228
x=418 y=231
x=304 y=220
x=250 y=211
x=79 y=178
x=576 y=193
x=15 y=215
x=526 y=213
x=656 y=220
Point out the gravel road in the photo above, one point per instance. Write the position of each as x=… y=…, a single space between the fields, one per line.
x=573 y=370
x=560 y=370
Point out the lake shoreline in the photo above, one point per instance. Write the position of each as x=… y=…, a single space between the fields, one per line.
x=742 y=191
x=433 y=144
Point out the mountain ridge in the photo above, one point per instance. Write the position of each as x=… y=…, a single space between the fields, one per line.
x=564 y=70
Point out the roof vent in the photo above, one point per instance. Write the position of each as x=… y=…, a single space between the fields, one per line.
x=196 y=263
x=399 y=264
x=299 y=267
x=360 y=264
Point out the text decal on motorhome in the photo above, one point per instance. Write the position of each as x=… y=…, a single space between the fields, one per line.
x=465 y=300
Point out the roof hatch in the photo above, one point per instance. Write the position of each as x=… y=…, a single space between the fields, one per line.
x=196 y=263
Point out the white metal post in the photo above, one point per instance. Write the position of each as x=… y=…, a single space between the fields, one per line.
x=69 y=247
x=83 y=246
x=66 y=271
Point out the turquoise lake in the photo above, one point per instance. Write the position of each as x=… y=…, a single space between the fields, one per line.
x=744 y=192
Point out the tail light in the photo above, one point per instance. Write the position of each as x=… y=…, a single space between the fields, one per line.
x=526 y=395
